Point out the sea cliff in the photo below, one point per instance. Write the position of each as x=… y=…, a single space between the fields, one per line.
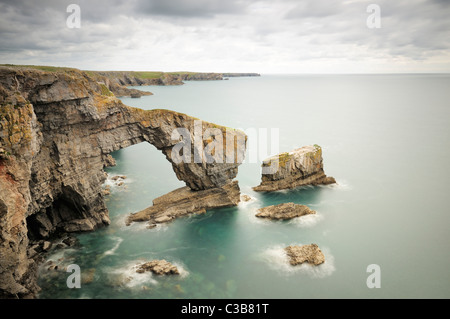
x=57 y=129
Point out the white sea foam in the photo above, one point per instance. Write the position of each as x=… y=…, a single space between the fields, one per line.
x=113 y=184
x=64 y=254
x=257 y=220
x=306 y=221
x=181 y=268
x=276 y=258
x=342 y=185
x=127 y=276
x=246 y=203
x=137 y=226
x=112 y=251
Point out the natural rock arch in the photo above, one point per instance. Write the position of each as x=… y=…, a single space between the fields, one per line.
x=57 y=130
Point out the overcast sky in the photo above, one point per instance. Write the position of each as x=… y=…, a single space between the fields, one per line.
x=281 y=36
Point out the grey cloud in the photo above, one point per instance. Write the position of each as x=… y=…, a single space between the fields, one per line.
x=191 y=8
x=318 y=8
x=414 y=29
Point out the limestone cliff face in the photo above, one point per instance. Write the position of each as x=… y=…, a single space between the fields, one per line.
x=303 y=166
x=56 y=132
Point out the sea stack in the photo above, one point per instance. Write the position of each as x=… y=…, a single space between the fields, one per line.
x=300 y=167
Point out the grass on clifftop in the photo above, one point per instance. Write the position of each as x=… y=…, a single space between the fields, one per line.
x=148 y=75
x=138 y=74
x=40 y=67
x=157 y=75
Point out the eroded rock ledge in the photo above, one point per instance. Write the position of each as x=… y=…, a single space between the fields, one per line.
x=57 y=130
x=310 y=254
x=301 y=167
x=284 y=211
x=184 y=201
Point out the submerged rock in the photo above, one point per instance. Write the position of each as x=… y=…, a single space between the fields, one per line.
x=183 y=201
x=284 y=211
x=303 y=166
x=306 y=253
x=159 y=267
x=87 y=276
x=118 y=177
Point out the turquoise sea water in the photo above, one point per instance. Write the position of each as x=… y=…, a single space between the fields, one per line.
x=385 y=139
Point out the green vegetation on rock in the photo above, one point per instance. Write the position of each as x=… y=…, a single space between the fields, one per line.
x=105 y=90
x=284 y=158
x=148 y=75
x=41 y=67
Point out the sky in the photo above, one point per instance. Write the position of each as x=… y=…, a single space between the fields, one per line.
x=277 y=36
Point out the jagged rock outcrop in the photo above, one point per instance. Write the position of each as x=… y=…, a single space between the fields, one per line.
x=303 y=166
x=284 y=211
x=310 y=254
x=184 y=201
x=158 y=267
x=56 y=132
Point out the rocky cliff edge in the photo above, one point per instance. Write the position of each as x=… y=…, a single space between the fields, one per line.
x=57 y=130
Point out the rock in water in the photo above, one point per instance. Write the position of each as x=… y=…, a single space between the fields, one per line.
x=284 y=211
x=306 y=253
x=159 y=267
x=87 y=276
x=303 y=166
x=183 y=201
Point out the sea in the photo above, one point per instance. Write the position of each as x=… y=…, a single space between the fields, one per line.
x=383 y=228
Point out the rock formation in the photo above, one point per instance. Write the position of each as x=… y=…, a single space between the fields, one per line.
x=303 y=166
x=57 y=130
x=284 y=211
x=159 y=267
x=183 y=201
x=310 y=254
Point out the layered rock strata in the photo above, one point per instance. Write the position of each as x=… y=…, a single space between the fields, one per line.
x=303 y=166
x=57 y=130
